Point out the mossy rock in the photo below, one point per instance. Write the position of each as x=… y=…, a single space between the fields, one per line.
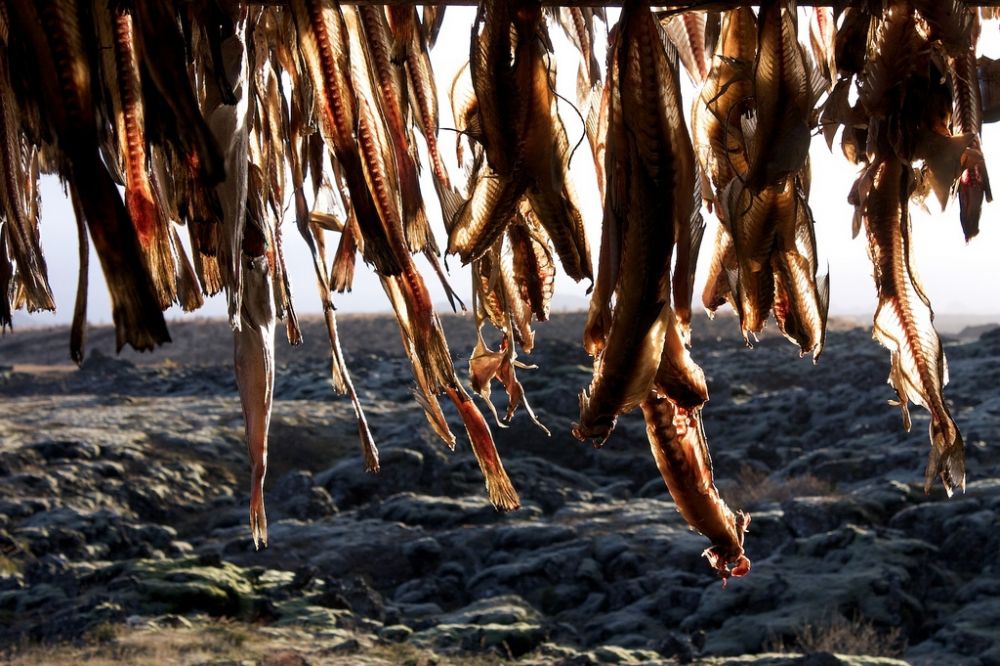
x=186 y=586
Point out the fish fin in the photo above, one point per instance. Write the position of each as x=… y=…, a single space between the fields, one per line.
x=947 y=458
x=498 y=485
x=943 y=157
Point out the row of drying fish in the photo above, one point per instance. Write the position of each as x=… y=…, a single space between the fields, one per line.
x=213 y=115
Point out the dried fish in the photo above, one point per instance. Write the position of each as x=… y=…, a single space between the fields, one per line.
x=651 y=175
x=904 y=321
x=677 y=440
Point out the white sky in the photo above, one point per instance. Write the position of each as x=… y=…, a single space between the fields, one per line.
x=959 y=278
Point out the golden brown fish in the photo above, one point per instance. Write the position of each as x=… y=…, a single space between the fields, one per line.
x=544 y=148
x=974 y=183
x=533 y=265
x=801 y=299
x=687 y=33
x=752 y=224
x=679 y=378
x=677 y=440
x=823 y=40
x=725 y=96
x=389 y=85
x=253 y=350
x=785 y=92
x=650 y=180
x=151 y=226
x=722 y=272
x=57 y=37
x=324 y=48
x=20 y=219
x=904 y=321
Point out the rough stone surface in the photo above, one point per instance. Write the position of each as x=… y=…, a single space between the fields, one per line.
x=125 y=504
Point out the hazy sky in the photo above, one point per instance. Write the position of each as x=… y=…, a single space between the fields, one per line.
x=959 y=278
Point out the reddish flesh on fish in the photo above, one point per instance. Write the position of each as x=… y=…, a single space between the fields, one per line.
x=253 y=351
x=677 y=440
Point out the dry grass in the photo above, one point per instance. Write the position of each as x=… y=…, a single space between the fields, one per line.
x=221 y=641
x=842 y=636
x=752 y=486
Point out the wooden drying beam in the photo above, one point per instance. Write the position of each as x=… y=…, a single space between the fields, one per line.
x=682 y=6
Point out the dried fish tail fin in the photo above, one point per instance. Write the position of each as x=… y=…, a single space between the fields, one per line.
x=947 y=457
x=253 y=351
x=904 y=322
x=677 y=441
x=498 y=485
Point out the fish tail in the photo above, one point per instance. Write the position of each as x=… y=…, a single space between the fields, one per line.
x=188 y=293
x=342 y=273
x=154 y=239
x=258 y=518
x=498 y=485
x=368 y=449
x=947 y=458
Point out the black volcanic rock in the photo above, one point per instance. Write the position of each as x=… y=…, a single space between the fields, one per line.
x=126 y=491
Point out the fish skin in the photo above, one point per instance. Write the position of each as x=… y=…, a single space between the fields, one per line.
x=482 y=218
x=784 y=95
x=498 y=485
x=381 y=172
x=342 y=275
x=189 y=294
x=678 y=377
x=433 y=19
x=534 y=268
x=823 y=40
x=651 y=174
x=544 y=155
x=426 y=393
x=323 y=46
x=486 y=365
x=717 y=291
x=904 y=321
x=422 y=90
x=609 y=144
x=339 y=374
x=161 y=47
x=231 y=125
x=58 y=30
x=518 y=309
x=489 y=298
x=801 y=301
x=593 y=102
x=752 y=225
x=688 y=235
x=896 y=51
x=389 y=87
x=974 y=183
x=492 y=71
x=687 y=33
x=677 y=441
x=253 y=352
x=715 y=126
x=151 y=226
x=23 y=241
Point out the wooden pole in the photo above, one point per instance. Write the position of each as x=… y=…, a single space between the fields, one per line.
x=682 y=6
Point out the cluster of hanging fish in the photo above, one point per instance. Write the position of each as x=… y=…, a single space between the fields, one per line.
x=211 y=115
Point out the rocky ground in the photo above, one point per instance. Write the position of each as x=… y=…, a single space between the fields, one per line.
x=123 y=518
